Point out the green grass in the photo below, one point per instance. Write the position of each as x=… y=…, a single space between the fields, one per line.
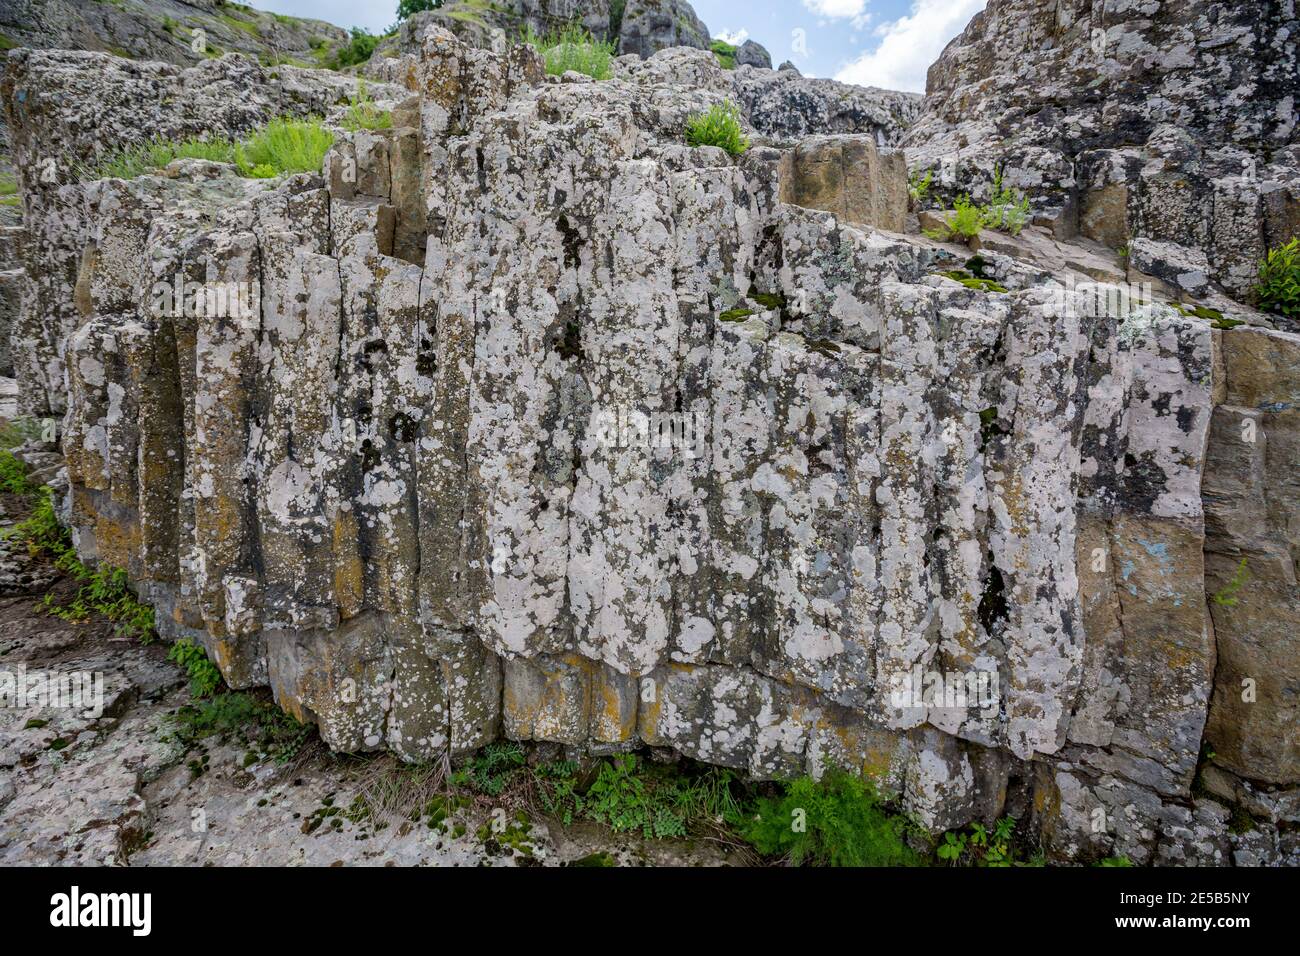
x=6 y=43
x=155 y=155
x=725 y=52
x=284 y=146
x=719 y=126
x=363 y=114
x=973 y=282
x=574 y=49
x=1278 y=290
x=8 y=184
x=281 y=147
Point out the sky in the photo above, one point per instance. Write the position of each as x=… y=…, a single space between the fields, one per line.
x=887 y=43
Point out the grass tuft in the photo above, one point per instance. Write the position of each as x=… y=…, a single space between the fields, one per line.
x=719 y=126
x=573 y=49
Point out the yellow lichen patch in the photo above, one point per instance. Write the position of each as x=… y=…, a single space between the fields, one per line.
x=349 y=573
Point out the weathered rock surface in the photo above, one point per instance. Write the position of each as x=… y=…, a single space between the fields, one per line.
x=175 y=32
x=542 y=424
x=1170 y=126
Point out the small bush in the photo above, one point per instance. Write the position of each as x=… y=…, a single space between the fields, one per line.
x=1278 y=290
x=835 y=822
x=966 y=220
x=244 y=716
x=574 y=49
x=407 y=7
x=358 y=49
x=720 y=127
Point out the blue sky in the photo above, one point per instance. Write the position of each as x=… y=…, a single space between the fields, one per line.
x=887 y=43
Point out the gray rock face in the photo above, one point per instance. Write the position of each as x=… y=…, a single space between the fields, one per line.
x=542 y=424
x=753 y=54
x=653 y=25
x=788 y=107
x=86 y=105
x=164 y=29
x=1171 y=124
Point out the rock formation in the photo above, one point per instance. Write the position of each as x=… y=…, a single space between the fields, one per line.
x=1168 y=128
x=524 y=419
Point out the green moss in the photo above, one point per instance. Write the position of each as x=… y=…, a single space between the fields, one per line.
x=768 y=300
x=1241 y=820
x=6 y=43
x=736 y=315
x=971 y=282
x=602 y=858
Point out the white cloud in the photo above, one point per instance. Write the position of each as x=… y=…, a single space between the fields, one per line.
x=841 y=10
x=734 y=37
x=909 y=44
x=837 y=9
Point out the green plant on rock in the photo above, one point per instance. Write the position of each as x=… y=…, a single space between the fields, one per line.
x=1008 y=209
x=725 y=52
x=1278 y=290
x=838 y=821
x=363 y=114
x=918 y=186
x=246 y=716
x=719 y=126
x=359 y=48
x=575 y=50
x=204 y=676
x=1227 y=595
x=966 y=220
x=284 y=146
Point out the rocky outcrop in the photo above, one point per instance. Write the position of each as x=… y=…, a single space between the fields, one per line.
x=753 y=54
x=1169 y=128
x=525 y=419
x=65 y=109
x=652 y=25
x=175 y=32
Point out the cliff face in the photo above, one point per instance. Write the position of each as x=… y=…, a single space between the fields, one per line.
x=1169 y=128
x=532 y=421
x=524 y=419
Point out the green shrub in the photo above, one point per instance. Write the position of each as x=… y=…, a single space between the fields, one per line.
x=574 y=49
x=407 y=7
x=835 y=822
x=284 y=146
x=1278 y=290
x=726 y=54
x=204 y=675
x=363 y=114
x=720 y=126
x=359 y=48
